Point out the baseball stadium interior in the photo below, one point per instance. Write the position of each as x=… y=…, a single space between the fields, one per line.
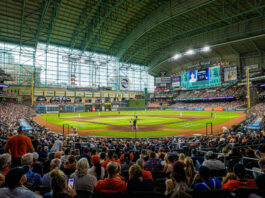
x=132 y=98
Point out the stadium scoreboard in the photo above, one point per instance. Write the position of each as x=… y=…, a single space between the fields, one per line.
x=201 y=78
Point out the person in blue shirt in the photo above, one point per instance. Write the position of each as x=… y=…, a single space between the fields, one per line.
x=206 y=183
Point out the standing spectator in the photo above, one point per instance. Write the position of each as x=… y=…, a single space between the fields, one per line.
x=83 y=180
x=5 y=162
x=33 y=179
x=71 y=163
x=55 y=163
x=97 y=170
x=237 y=179
x=126 y=163
x=111 y=184
x=153 y=164
x=168 y=168
x=15 y=179
x=18 y=145
x=136 y=182
x=86 y=154
x=58 y=145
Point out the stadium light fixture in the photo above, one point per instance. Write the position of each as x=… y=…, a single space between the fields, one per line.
x=177 y=56
x=190 y=52
x=206 y=49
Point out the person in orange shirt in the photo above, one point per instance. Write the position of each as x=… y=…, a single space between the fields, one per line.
x=111 y=184
x=72 y=162
x=237 y=179
x=110 y=159
x=145 y=174
x=18 y=145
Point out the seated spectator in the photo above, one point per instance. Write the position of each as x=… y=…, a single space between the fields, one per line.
x=177 y=179
x=5 y=162
x=55 y=163
x=262 y=164
x=111 y=184
x=136 y=181
x=86 y=154
x=168 y=168
x=66 y=156
x=260 y=181
x=83 y=180
x=2 y=180
x=145 y=174
x=189 y=170
x=37 y=167
x=109 y=159
x=181 y=157
x=14 y=180
x=97 y=170
x=71 y=163
x=206 y=183
x=126 y=163
x=58 y=155
x=237 y=179
x=33 y=179
x=59 y=186
x=153 y=164
x=212 y=163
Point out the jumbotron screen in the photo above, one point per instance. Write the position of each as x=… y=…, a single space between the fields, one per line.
x=209 y=77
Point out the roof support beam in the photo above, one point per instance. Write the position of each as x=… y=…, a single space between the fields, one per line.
x=170 y=10
x=22 y=21
x=101 y=22
x=256 y=47
x=56 y=8
x=255 y=7
x=44 y=8
x=179 y=34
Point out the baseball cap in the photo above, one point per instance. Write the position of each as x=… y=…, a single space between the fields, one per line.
x=14 y=175
x=95 y=159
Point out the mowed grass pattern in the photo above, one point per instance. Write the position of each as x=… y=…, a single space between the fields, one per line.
x=222 y=116
x=143 y=120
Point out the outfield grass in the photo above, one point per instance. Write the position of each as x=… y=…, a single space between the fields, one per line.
x=138 y=134
x=220 y=118
x=78 y=125
x=143 y=120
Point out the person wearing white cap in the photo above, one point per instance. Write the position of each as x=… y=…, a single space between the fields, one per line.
x=212 y=163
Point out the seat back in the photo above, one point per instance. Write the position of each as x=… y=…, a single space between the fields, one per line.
x=84 y=194
x=243 y=192
x=218 y=193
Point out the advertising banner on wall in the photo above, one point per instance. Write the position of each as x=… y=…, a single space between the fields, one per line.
x=38 y=93
x=176 y=81
x=124 y=83
x=88 y=94
x=70 y=93
x=60 y=93
x=230 y=73
x=49 y=93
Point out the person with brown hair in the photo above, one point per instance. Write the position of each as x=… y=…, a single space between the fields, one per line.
x=136 y=181
x=111 y=184
x=59 y=186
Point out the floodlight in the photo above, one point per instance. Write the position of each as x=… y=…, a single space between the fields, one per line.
x=177 y=56
x=190 y=52
x=206 y=49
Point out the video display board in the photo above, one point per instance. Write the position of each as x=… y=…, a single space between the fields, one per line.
x=163 y=81
x=230 y=73
x=209 y=77
x=176 y=81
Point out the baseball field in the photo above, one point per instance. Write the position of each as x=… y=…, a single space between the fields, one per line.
x=149 y=123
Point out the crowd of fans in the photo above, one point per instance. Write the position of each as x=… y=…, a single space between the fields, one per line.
x=42 y=163
x=209 y=104
x=231 y=91
x=258 y=110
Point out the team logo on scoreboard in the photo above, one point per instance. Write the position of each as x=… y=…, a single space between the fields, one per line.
x=124 y=83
